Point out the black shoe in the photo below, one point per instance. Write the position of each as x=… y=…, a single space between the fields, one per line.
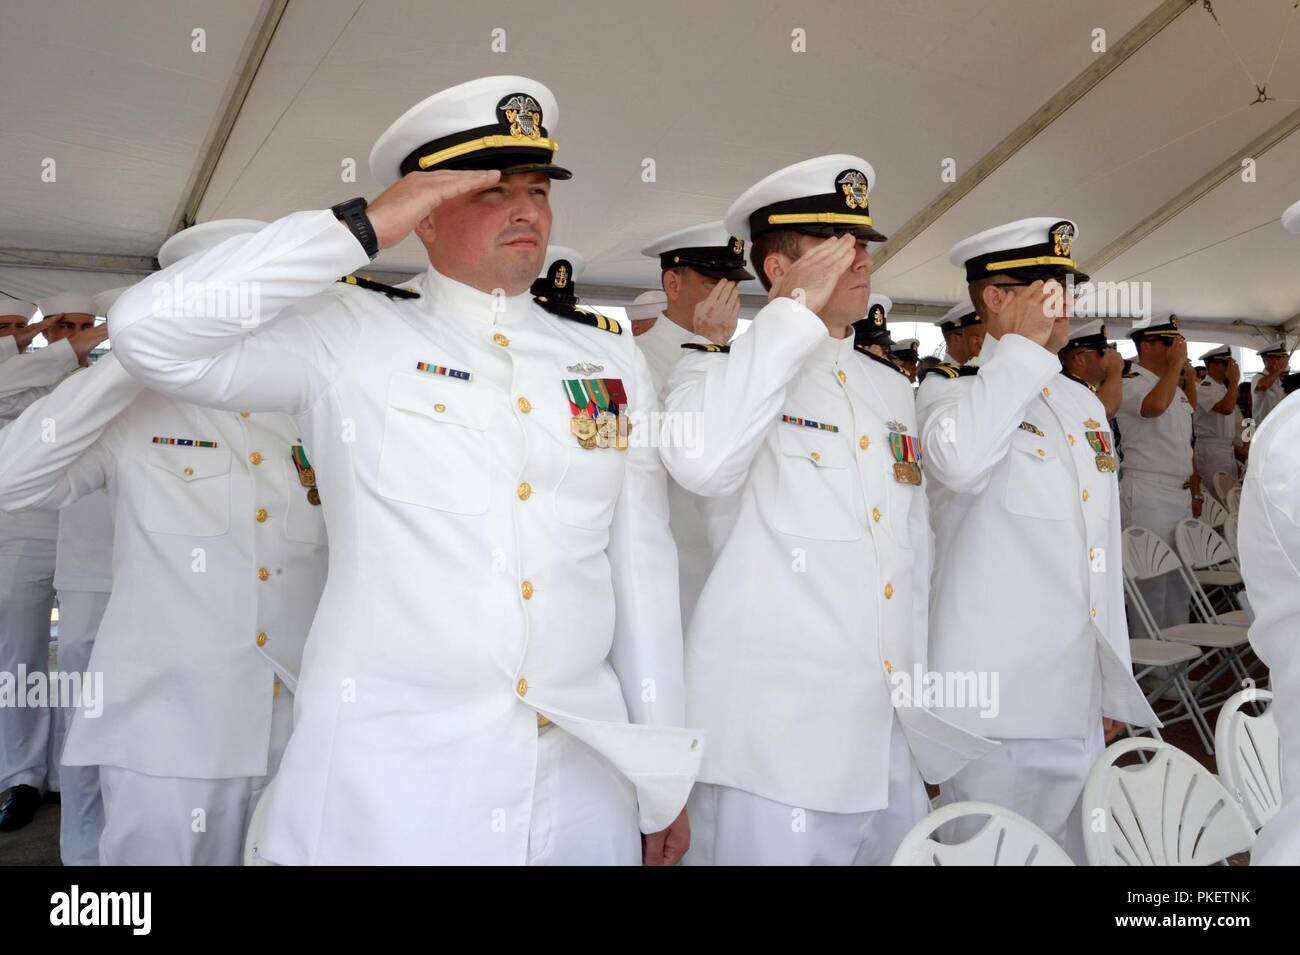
x=17 y=806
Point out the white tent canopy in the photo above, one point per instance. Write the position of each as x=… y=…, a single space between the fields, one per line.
x=1142 y=143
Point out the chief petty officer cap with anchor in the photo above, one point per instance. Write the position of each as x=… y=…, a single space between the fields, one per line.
x=554 y=290
x=707 y=248
x=495 y=122
x=826 y=196
x=873 y=328
x=1029 y=250
x=1089 y=335
x=909 y=349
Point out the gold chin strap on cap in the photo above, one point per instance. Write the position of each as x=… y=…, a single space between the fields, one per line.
x=487 y=142
x=1027 y=263
x=821 y=218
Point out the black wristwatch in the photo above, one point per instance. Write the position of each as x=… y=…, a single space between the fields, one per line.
x=353 y=215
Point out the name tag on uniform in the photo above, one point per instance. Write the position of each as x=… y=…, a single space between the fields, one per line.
x=598 y=419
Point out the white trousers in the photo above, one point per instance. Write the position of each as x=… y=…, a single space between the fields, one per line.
x=81 y=813
x=1212 y=456
x=1042 y=779
x=734 y=827
x=26 y=599
x=1158 y=504
x=165 y=820
x=584 y=810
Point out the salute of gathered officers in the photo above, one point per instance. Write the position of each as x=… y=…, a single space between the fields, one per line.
x=801 y=655
x=1025 y=459
x=495 y=671
x=212 y=512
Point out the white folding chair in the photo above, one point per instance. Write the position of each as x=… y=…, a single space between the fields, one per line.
x=1249 y=756
x=1168 y=811
x=1007 y=838
x=1147 y=557
x=1223 y=483
x=1213 y=512
x=1150 y=656
x=1233 y=500
x=1230 y=534
x=1213 y=565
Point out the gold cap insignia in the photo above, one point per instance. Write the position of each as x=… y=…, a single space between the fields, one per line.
x=1062 y=238
x=523 y=114
x=853 y=183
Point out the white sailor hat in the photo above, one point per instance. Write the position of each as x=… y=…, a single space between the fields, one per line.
x=1277 y=348
x=873 y=327
x=708 y=249
x=909 y=349
x=961 y=315
x=104 y=300
x=1291 y=218
x=66 y=303
x=204 y=236
x=647 y=305
x=495 y=122
x=1035 y=248
x=1088 y=335
x=16 y=306
x=1222 y=353
x=823 y=196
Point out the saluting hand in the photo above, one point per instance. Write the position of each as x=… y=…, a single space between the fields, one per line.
x=86 y=340
x=409 y=201
x=1178 y=352
x=27 y=334
x=668 y=847
x=816 y=273
x=1234 y=374
x=1112 y=363
x=716 y=317
x=1030 y=314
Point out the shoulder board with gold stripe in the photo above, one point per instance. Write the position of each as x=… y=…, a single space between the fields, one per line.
x=583 y=316
x=696 y=346
x=370 y=285
x=862 y=350
x=949 y=370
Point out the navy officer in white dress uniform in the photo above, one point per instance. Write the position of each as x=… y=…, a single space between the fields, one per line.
x=495 y=671
x=1026 y=461
x=802 y=656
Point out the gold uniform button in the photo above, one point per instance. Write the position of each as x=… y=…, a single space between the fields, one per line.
x=1085 y=494
x=864 y=442
x=275 y=687
x=889 y=667
x=841 y=375
x=816 y=456
x=522 y=687
x=501 y=339
x=260 y=515
x=189 y=472
x=244 y=414
x=255 y=457
x=525 y=491
x=1092 y=553
x=440 y=407
x=542 y=721
x=526 y=588
x=1070 y=438
x=1047 y=392
x=1093 y=612
x=263 y=573
x=524 y=405
x=1042 y=453
x=875 y=514
x=889 y=591
x=261 y=639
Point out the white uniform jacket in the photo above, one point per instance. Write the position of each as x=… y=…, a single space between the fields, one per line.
x=191 y=626
x=23 y=379
x=1028 y=580
x=811 y=628
x=484 y=566
x=1269 y=537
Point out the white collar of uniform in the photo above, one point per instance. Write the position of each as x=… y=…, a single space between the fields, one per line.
x=834 y=349
x=447 y=295
x=669 y=330
x=986 y=352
